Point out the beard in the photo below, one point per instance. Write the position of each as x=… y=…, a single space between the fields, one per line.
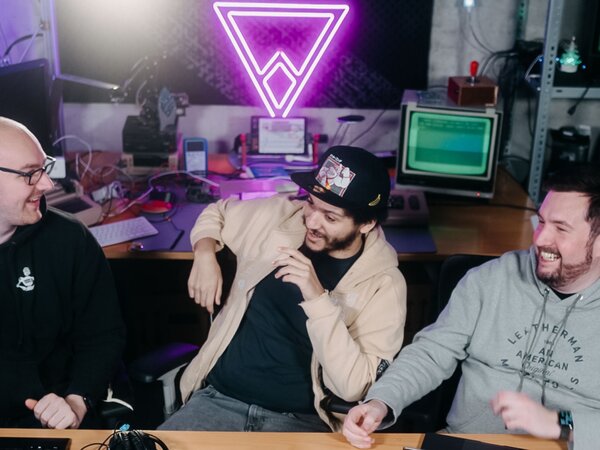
x=566 y=273
x=334 y=243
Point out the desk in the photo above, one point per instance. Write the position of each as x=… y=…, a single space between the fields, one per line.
x=190 y=440
x=456 y=227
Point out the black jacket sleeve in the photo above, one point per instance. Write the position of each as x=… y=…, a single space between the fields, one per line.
x=98 y=333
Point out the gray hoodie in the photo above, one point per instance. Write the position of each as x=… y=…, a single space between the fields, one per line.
x=507 y=328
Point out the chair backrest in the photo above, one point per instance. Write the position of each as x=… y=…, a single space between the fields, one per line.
x=429 y=413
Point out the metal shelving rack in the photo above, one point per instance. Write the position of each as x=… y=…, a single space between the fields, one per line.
x=546 y=91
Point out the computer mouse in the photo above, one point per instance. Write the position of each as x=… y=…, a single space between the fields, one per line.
x=157 y=206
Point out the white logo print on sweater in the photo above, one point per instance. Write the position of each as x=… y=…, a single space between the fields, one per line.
x=26 y=282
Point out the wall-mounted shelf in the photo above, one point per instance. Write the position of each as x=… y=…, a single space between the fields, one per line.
x=575 y=92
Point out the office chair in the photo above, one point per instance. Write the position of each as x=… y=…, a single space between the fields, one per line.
x=155 y=375
x=429 y=413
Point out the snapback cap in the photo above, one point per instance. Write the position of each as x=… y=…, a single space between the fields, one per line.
x=348 y=177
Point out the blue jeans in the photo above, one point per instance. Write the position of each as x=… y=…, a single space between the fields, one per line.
x=209 y=410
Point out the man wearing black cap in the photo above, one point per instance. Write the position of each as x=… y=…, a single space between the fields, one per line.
x=317 y=305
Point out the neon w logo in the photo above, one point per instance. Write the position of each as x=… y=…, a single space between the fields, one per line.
x=279 y=69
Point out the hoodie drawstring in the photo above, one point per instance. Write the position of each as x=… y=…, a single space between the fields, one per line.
x=529 y=345
x=548 y=349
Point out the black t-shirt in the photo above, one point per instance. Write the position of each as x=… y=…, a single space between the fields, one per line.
x=268 y=361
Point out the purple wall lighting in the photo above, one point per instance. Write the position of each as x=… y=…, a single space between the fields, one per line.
x=280 y=45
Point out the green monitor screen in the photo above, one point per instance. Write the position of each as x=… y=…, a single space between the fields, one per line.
x=448 y=150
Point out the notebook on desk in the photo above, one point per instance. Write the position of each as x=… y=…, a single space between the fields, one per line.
x=31 y=443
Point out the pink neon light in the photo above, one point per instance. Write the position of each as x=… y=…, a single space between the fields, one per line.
x=230 y=13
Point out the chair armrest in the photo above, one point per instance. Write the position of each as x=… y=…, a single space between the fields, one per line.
x=150 y=367
x=334 y=404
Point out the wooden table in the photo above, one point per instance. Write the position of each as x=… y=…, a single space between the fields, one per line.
x=190 y=440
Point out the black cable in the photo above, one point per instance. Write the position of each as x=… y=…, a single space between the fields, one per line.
x=18 y=41
x=573 y=108
x=369 y=127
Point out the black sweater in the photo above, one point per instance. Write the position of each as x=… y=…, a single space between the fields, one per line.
x=60 y=323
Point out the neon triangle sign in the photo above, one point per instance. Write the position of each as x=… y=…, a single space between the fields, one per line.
x=279 y=71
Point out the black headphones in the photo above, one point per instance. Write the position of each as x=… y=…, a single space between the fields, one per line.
x=135 y=440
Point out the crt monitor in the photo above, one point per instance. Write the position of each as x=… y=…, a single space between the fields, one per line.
x=26 y=96
x=448 y=150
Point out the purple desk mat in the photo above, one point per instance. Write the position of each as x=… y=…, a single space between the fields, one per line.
x=403 y=239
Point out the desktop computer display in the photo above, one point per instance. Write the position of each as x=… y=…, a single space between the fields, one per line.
x=448 y=150
x=278 y=137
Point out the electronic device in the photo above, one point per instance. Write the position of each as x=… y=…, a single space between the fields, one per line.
x=446 y=150
x=135 y=440
x=68 y=196
x=146 y=164
x=123 y=231
x=37 y=443
x=195 y=155
x=568 y=145
x=26 y=96
x=407 y=207
x=276 y=137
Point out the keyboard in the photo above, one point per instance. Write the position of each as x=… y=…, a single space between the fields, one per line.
x=407 y=208
x=31 y=443
x=123 y=231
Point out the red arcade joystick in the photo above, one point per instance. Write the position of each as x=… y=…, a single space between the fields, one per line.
x=473 y=71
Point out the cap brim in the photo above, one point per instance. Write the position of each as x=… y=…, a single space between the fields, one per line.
x=307 y=181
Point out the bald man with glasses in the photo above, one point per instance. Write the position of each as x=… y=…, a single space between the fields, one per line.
x=61 y=333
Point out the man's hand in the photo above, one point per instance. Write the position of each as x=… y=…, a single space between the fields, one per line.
x=296 y=268
x=57 y=412
x=205 y=283
x=519 y=412
x=362 y=420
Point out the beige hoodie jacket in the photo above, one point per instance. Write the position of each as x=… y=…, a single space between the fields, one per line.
x=352 y=328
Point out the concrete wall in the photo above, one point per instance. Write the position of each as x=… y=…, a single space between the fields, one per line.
x=458 y=36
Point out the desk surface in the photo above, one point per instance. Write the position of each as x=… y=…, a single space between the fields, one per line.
x=490 y=228
x=190 y=440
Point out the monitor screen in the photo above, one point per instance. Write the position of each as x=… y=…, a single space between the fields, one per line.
x=26 y=96
x=278 y=136
x=448 y=150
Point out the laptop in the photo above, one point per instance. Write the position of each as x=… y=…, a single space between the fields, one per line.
x=434 y=441
x=36 y=443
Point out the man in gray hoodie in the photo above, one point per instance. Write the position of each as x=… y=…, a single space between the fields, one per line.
x=524 y=326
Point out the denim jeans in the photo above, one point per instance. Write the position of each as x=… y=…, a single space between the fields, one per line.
x=209 y=410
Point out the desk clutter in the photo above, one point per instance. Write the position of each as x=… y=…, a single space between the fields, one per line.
x=169 y=202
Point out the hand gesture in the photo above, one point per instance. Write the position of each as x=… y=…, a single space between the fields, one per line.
x=519 y=412
x=205 y=283
x=57 y=412
x=362 y=420
x=296 y=268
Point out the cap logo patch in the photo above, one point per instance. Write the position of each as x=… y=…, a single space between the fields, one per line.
x=334 y=176
x=376 y=201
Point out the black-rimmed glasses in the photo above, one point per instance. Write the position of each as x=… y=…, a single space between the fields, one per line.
x=35 y=175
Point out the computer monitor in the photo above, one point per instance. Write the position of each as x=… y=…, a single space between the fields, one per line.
x=448 y=150
x=278 y=137
x=26 y=96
